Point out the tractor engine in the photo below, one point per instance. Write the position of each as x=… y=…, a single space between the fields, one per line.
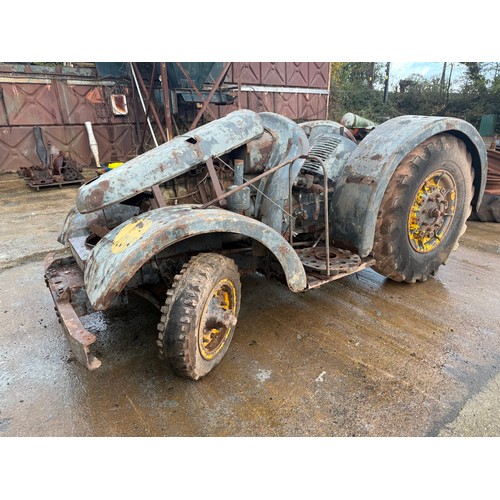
x=308 y=191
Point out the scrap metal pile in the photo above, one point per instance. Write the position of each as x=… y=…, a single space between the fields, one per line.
x=57 y=167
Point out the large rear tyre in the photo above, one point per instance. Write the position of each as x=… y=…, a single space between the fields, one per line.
x=424 y=210
x=199 y=316
x=489 y=211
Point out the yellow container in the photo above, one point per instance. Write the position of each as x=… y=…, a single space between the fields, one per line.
x=115 y=164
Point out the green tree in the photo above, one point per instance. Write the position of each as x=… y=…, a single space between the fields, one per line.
x=475 y=94
x=354 y=90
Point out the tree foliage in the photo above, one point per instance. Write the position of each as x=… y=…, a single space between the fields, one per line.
x=475 y=94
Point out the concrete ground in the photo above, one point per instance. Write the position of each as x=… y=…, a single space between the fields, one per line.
x=361 y=356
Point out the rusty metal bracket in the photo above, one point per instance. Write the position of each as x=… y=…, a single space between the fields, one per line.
x=64 y=278
x=215 y=181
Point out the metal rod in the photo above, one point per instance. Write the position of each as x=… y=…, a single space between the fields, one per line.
x=147 y=109
x=143 y=105
x=151 y=105
x=193 y=85
x=160 y=201
x=166 y=99
x=250 y=182
x=256 y=188
x=327 y=228
x=210 y=95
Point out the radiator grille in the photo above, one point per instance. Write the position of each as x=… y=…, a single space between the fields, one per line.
x=322 y=148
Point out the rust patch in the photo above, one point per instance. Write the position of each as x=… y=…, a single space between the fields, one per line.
x=359 y=179
x=96 y=196
x=95 y=96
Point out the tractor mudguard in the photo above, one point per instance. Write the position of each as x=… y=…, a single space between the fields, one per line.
x=290 y=142
x=124 y=250
x=170 y=160
x=360 y=190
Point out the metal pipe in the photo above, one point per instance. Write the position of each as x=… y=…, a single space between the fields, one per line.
x=239 y=166
x=327 y=228
x=94 y=148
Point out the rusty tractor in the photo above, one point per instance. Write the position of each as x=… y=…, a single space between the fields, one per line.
x=255 y=192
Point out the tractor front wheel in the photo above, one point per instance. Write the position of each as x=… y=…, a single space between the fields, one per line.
x=199 y=316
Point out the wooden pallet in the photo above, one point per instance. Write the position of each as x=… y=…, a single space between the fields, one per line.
x=53 y=184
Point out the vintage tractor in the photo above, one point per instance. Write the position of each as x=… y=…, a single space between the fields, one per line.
x=256 y=192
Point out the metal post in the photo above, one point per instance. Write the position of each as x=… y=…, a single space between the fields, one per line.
x=166 y=99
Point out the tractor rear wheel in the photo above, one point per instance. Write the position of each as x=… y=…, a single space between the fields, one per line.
x=199 y=316
x=424 y=210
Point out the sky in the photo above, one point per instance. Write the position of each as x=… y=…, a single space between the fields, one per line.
x=401 y=70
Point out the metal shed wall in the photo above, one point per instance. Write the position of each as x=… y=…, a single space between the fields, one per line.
x=298 y=90
x=60 y=103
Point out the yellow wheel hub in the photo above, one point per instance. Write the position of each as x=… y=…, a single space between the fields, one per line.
x=432 y=211
x=218 y=318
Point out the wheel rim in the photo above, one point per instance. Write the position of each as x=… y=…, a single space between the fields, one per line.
x=70 y=174
x=432 y=211
x=218 y=318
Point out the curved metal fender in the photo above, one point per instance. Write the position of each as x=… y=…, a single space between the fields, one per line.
x=290 y=141
x=169 y=160
x=370 y=167
x=123 y=251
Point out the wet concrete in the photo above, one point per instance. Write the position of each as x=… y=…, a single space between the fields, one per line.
x=362 y=356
